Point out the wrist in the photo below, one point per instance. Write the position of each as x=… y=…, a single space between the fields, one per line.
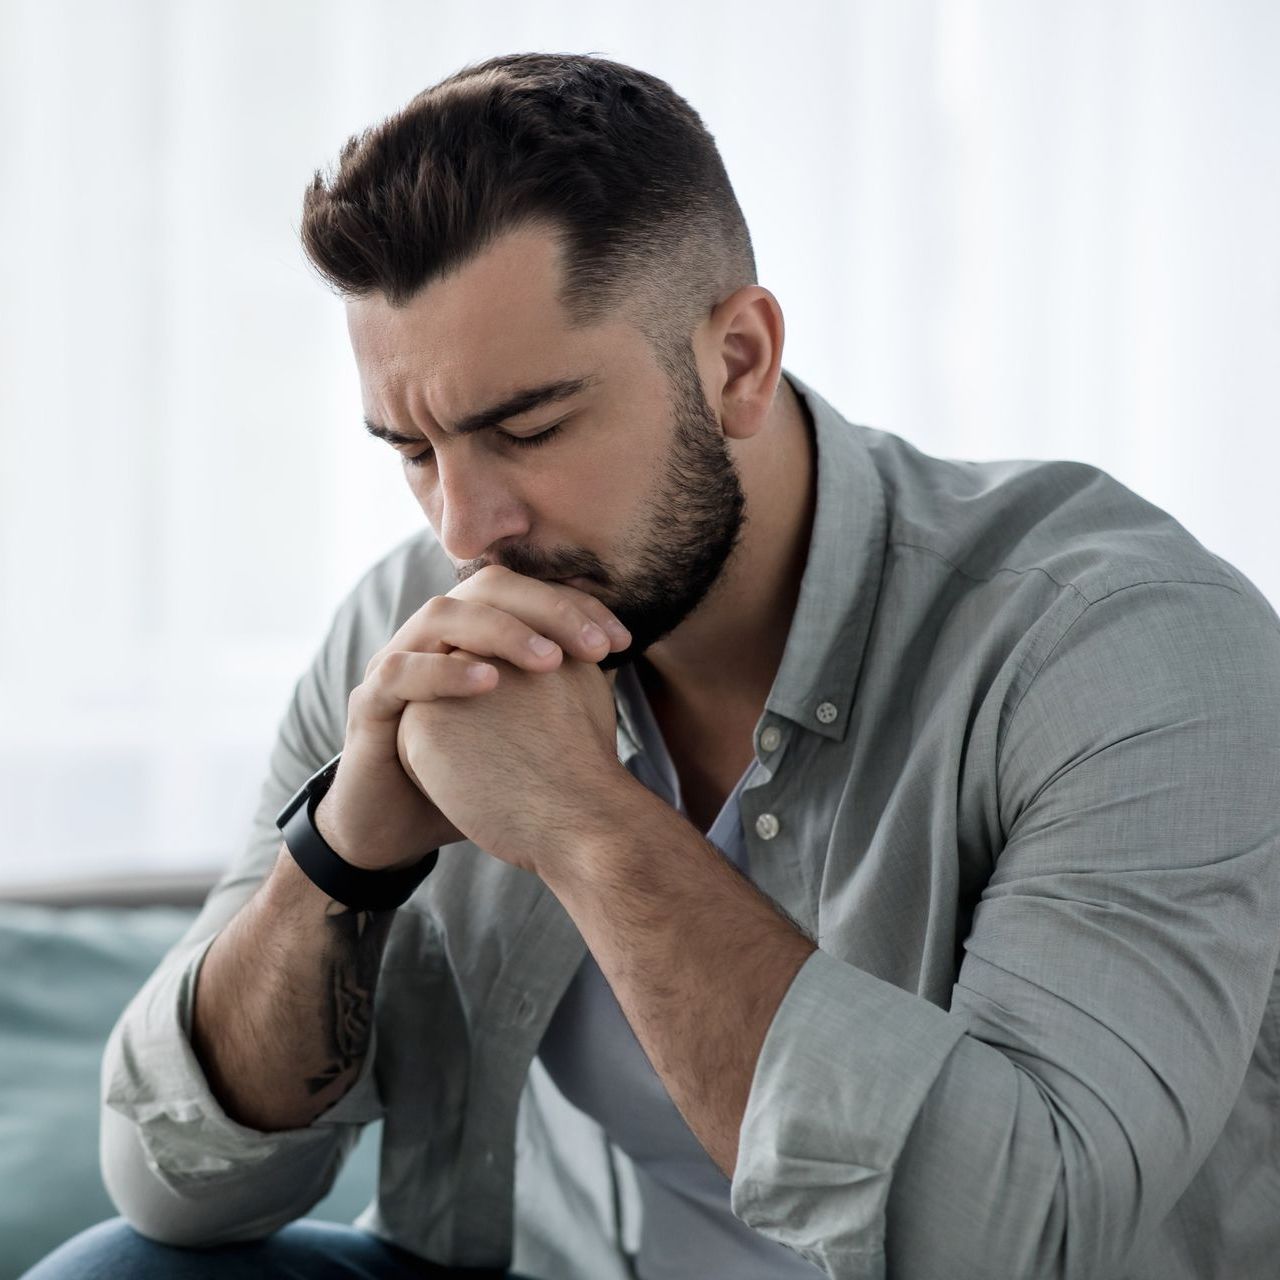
x=374 y=888
x=598 y=832
x=384 y=853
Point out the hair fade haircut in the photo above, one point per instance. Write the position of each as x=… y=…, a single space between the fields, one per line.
x=609 y=159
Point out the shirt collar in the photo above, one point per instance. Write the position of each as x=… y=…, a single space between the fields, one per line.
x=827 y=640
x=841 y=582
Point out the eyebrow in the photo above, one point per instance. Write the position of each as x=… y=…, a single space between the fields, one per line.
x=523 y=401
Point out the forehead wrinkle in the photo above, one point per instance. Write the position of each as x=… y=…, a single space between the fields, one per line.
x=514 y=405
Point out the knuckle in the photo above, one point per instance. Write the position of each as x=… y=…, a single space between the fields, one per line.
x=389 y=669
x=393 y=665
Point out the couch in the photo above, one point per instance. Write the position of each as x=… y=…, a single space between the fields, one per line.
x=72 y=955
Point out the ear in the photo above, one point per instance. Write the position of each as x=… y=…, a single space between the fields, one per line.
x=742 y=338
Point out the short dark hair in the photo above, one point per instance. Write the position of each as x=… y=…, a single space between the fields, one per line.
x=611 y=159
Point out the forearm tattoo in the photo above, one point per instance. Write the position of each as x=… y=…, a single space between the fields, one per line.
x=355 y=957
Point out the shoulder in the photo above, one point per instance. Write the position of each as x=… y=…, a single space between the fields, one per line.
x=397 y=584
x=1082 y=533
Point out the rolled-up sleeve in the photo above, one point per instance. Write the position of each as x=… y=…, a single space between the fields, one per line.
x=1112 y=988
x=176 y=1165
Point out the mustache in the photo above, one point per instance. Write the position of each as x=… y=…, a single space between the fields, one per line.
x=531 y=564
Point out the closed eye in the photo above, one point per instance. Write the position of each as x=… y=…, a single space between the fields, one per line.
x=518 y=442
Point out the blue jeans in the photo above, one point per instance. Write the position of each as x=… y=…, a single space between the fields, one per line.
x=303 y=1250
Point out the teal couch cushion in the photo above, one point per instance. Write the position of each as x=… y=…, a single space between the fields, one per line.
x=68 y=972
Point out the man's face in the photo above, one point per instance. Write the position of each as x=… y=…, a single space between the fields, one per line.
x=627 y=482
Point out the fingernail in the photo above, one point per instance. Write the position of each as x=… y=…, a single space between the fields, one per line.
x=593 y=635
x=542 y=646
x=618 y=631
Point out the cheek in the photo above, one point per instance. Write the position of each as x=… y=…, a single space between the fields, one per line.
x=588 y=487
x=602 y=485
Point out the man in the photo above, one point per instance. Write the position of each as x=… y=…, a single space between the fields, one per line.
x=882 y=850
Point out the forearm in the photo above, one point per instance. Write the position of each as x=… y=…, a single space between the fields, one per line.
x=697 y=957
x=700 y=961
x=283 y=1009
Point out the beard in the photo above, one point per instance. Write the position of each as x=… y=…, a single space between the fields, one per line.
x=696 y=516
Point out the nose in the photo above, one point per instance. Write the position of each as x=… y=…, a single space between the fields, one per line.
x=474 y=508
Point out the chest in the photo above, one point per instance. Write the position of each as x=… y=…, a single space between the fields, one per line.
x=708 y=758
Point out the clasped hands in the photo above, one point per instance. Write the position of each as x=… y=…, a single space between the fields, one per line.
x=524 y=759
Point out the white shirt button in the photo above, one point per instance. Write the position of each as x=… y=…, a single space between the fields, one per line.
x=770 y=738
x=766 y=826
x=827 y=712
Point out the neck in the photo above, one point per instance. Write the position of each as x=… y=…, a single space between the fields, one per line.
x=727 y=653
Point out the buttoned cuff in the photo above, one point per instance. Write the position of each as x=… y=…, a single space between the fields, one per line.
x=151 y=1076
x=843 y=1072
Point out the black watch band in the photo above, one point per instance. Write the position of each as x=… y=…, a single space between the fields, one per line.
x=354 y=887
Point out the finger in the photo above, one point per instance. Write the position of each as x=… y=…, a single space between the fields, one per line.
x=478 y=615
x=445 y=624
x=451 y=623
x=404 y=676
x=555 y=609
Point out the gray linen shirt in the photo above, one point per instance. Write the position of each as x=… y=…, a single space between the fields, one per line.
x=1023 y=757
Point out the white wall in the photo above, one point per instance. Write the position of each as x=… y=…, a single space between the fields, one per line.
x=998 y=229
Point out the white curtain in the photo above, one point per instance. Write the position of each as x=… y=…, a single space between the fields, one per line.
x=1000 y=229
